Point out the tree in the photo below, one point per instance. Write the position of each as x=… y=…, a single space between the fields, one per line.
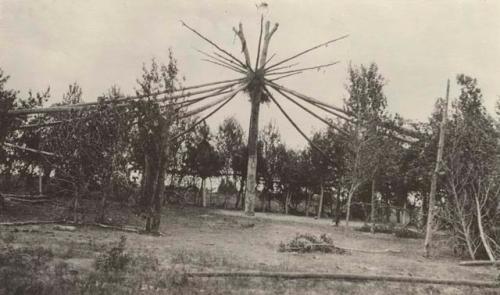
x=229 y=141
x=87 y=148
x=272 y=153
x=324 y=163
x=23 y=161
x=231 y=147
x=367 y=103
x=203 y=160
x=155 y=122
x=7 y=102
x=471 y=175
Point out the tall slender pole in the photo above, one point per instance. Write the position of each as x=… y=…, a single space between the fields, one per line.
x=439 y=157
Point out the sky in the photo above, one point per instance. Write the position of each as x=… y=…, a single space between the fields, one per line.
x=417 y=46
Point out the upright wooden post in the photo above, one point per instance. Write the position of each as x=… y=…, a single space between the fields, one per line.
x=439 y=157
x=256 y=92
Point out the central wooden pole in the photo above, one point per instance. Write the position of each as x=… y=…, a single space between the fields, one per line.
x=256 y=94
x=251 y=186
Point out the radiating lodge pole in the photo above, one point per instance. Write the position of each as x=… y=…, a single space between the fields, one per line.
x=255 y=88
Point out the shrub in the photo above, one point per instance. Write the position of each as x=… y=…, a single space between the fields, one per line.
x=379 y=228
x=115 y=259
x=8 y=237
x=120 y=272
x=28 y=271
x=406 y=233
x=306 y=243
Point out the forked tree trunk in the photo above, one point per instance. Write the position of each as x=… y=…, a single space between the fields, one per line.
x=463 y=223
x=255 y=97
x=482 y=234
x=432 y=195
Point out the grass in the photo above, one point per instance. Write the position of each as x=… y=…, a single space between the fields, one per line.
x=96 y=261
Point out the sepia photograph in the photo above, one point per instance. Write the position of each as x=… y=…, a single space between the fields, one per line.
x=249 y=147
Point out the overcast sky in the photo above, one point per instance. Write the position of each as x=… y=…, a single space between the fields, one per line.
x=416 y=44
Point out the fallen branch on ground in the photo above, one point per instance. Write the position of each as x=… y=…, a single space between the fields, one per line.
x=41 y=222
x=479 y=263
x=344 y=277
x=119 y=228
x=23 y=196
x=348 y=249
x=26 y=200
x=371 y=251
x=31 y=222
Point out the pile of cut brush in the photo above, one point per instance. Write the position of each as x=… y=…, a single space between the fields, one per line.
x=307 y=243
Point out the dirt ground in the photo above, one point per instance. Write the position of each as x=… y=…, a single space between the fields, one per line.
x=209 y=239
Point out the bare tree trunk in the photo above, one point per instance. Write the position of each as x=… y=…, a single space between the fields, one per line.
x=321 y=194
x=268 y=202
x=76 y=193
x=486 y=244
x=468 y=242
x=339 y=204
x=463 y=224
x=308 y=202
x=203 y=193
x=239 y=196
x=432 y=195
x=372 y=213
x=103 y=204
x=156 y=206
x=352 y=190
x=40 y=183
x=287 y=201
